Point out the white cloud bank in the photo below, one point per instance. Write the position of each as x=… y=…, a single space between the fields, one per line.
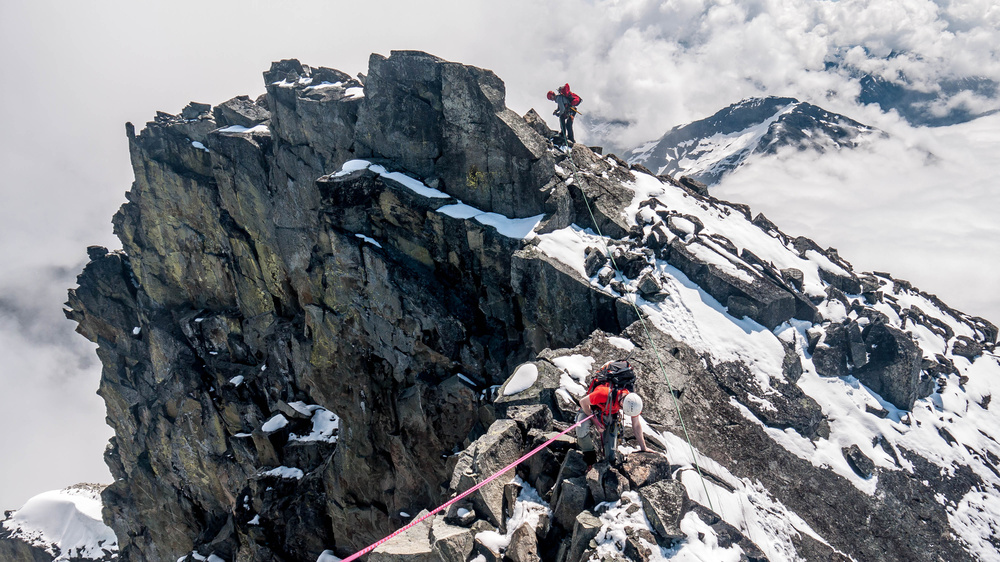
x=921 y=205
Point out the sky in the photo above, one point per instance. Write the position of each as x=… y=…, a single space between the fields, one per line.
x=918 y=204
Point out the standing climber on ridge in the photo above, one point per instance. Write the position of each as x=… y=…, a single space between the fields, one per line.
x=566 y=102
x=609 y=393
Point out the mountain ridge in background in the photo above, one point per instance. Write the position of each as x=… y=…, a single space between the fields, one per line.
x=710 y=148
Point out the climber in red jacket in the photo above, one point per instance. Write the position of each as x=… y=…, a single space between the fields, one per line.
x=566 y=102
x=608 y=399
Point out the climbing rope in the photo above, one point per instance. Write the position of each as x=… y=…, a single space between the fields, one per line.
x=656 y=351
x=495 y=475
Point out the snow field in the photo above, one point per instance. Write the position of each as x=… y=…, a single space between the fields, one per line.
x=65 y=523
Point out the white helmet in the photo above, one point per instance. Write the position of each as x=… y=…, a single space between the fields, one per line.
x=632 y=405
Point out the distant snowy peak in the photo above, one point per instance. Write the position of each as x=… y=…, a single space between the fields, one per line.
x=65 y=524
x=710 y=148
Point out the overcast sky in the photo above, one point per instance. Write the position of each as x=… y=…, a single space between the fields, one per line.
x=920 y=204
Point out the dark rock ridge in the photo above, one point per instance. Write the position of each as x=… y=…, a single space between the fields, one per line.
x=712 y=147
x=300 y=356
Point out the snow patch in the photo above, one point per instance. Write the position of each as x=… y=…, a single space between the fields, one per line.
x=370 y=240
x=522 y=379
x=65 y=523
x=285 y=472
x=575 y=370
x=241 y=129
x=274 y=424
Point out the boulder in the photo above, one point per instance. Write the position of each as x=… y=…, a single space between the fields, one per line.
x=535 y=121
x=639 y=544
x=893 y=369
x=856 y=352
x=241 y=111
x=793 y=277
x=535 y=416
x=782 y=406
x=605 y=483
x=594 y=485
x=766 y=302
x=413 y=545
x=501 y=445
x=859 y=463
x=450 y=542
x=665 y=503
x=727 y=535
x=571 y=501
x=523 y=545
x=967 y=347
x=829 y=356
x=612 y=482
x=643 y=469
x=585 y=528
x=650 y=288
x=594 y=261
x=694 y=185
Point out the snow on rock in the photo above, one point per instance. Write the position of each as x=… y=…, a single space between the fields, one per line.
x=274 y=424
x=522 y=228
x=522 y=379
x=242 y=129
x=285 y=472
x=529 y=508
x=325 y=424
x=511 y=228
x=328 y=556
x=575 y=370
x=65 y=523
x=621 y=343
x=369 y=239
x=976 y=520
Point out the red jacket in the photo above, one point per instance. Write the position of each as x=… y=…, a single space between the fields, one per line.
x=599 y=399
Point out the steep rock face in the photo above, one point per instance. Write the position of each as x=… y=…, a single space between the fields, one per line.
x=448 y=122
x=302 y=349
x=247 y=286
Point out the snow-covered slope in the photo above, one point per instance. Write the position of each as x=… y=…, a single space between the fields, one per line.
x=66 y=524
x=952 y=433
x=712 y=147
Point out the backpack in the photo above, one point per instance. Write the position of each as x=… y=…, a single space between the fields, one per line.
x=618 y=373
x=574 y=100
x=620 y=377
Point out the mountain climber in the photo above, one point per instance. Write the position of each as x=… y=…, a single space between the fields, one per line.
x=566 y=102
x=609 y=398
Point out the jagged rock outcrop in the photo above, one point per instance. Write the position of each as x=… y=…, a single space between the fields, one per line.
x=341 y=304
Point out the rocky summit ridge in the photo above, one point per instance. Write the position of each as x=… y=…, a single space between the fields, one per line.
x=345 y=302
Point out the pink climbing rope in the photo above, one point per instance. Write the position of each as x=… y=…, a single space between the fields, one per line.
x=496 y=475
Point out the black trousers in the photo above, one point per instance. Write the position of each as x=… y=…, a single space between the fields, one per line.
x=566 y=127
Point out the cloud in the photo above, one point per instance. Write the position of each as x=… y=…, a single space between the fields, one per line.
x=52 y=419
x=660 y=64
x=920 y=204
